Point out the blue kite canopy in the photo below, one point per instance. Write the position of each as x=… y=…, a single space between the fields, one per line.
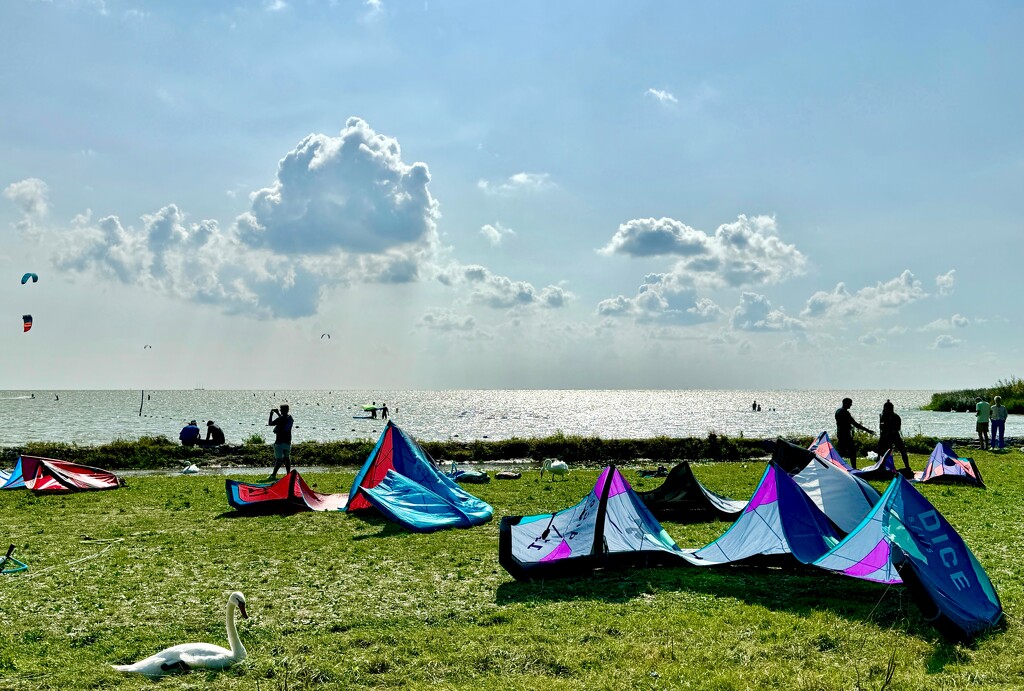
x=944 y=466
x=401 y=480
x=609 y=528
x=14 y=478
x=942 y=574
x=845 y=499
x=780 y=524
x=882 y=469
x=27 y=277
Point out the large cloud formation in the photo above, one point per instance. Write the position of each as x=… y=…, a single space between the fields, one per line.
x=342 y=209
x=351 y=193
x=500 y=292
x=745 y=252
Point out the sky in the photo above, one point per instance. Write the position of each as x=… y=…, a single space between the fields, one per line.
x=374 y=194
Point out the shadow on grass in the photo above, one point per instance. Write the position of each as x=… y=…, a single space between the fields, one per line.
x=799 y=591
x=262 y=511
x=386 y=527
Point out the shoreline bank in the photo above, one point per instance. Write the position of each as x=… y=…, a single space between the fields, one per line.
x=160 y=453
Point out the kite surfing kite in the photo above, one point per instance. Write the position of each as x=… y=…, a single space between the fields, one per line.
x=27 y=277
x=323 y=336
x=27 y=321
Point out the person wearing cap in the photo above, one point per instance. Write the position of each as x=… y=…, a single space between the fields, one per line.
x=214 y=434
x=984 y=411
x=189 y=434
x=997 y=415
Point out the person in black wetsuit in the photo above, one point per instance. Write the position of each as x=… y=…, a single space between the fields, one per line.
x=214 y=434
x=889 y=437
x=844 y=432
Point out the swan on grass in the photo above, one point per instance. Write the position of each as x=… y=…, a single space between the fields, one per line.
x=555 y=467
x=189 y=656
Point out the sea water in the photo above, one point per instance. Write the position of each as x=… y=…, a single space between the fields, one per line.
x=98 y=417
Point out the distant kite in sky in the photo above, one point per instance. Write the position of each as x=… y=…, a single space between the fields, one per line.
x=26 y=277
x=147 y=346
x=325 y=335
x=27 y=319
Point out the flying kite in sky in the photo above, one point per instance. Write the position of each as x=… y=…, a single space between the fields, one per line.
x=27 y=318
x=147 y=346
x=323 y=335
x=26 y=277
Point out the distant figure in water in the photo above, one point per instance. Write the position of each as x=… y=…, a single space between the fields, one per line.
x=56 y=397
x=384 y=411
x=753 y=406
x=373 y=413
x=33 y=395
x=759 y=407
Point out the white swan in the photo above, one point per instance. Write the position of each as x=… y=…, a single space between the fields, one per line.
x=555 y=467
x=189 y=656
x=190 y=469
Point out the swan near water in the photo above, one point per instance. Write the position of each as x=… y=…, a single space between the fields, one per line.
x=189 y=656
x=555 y=467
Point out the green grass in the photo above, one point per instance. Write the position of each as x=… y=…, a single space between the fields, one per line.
x=339 y=601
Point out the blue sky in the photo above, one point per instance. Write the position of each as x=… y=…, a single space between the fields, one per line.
x=510 y=195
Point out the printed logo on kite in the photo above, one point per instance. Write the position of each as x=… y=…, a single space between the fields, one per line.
x=29 y=276
x=27 y=319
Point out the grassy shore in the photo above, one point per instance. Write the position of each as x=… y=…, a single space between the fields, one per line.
x=339 y=601
x=160 y=453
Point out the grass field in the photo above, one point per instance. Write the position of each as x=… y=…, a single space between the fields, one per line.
x=339 y=601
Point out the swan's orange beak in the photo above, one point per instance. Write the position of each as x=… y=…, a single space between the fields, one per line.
x=241 y=608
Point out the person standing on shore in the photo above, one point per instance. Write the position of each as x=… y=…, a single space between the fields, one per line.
x=889 y=437
x=282 y=425
x=997 y=415
x=384 y=411
x=984 y=411
x=844 y=432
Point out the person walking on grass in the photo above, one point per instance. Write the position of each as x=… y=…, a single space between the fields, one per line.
x=889 y=437
x=282 y=425
x=844 y=432
x=997 y=415
x=984 y=411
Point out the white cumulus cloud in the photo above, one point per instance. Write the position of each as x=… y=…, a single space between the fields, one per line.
x=744 y=252
x=881 y=298
x=496 y=233
x=945 y=341
x=945 y=282
x=755 y=313
x=661 y=96
x=518 y=183
x=500 y=292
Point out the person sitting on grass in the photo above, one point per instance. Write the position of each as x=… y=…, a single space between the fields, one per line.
x=189 y=434
x=214 y=434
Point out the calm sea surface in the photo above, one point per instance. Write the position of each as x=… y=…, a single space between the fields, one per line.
x=96 y=417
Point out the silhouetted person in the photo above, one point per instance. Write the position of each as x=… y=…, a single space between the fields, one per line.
x=984 y=411
x=889 y=437
x=282 y=425
x=214 y=434
x=844 y=432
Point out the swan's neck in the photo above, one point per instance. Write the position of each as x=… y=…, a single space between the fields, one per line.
x=237 y=649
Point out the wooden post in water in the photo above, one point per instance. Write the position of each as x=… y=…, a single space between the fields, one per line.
x=142 y=402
